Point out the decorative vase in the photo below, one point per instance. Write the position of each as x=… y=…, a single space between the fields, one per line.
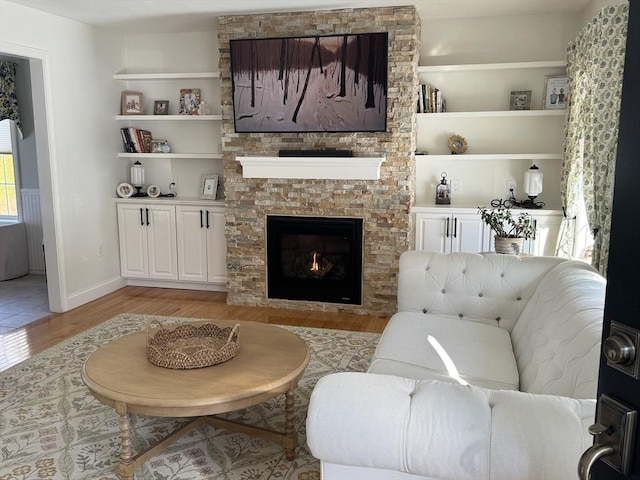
x=508 y=245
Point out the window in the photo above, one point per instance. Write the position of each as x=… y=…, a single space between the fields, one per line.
x=8 y=174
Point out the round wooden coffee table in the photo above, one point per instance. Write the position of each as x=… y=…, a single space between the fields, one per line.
x=270 y=362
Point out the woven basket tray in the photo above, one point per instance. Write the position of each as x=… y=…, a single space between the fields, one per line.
x=191 y=346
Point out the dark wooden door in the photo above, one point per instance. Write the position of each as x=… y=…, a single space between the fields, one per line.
x=623 y=283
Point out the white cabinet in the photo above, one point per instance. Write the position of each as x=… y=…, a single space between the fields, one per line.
x=147 y=234
x=201 y=243
x=446 y=229
x=449 y=230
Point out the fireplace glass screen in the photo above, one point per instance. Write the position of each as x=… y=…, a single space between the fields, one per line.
x=315 y=259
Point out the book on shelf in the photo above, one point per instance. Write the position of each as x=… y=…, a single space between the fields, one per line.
x=430 y=99
x=136 y=140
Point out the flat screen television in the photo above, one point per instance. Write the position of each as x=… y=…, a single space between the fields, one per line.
x=332 y=83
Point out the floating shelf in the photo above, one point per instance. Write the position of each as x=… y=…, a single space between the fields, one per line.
x=169 y=155
x=333 y=168
x=496 y=113
x=493 y=156
x=491 y=66
x=164 y=76
x=164 y=118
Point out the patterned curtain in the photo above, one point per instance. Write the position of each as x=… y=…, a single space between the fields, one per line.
x=8 y=98
x=595 y=63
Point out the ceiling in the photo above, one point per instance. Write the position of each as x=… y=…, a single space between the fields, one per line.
x=181 y=15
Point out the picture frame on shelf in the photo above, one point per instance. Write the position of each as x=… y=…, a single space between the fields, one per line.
x=189 y=101
x=131 y=103
x=161 y=107
x=160 y=146
x=556 y=92
x=520 y=100
x=209 y=187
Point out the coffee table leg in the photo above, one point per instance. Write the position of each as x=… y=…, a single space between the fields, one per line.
x=126 y=454
x=290 y=441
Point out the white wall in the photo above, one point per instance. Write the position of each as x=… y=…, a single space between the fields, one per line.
x=78 y=62
x=518 y=38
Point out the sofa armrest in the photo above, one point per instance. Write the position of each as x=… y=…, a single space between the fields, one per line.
x=447 y=431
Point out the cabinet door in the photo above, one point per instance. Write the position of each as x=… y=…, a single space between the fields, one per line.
x=547 y=230
x=192 y=243
x=467 y=233
x=216 y=247
x=161 y=232
x=132 y=233
x=433 y=232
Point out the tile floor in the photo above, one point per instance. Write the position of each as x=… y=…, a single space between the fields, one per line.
x=23 y=300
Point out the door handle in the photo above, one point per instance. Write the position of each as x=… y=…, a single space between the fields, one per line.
x=207 y=218
x=455 y=228
x=201 y=221
x=447 y=227
x=614 y=435
x=141 y=218
x=147 y=216
x=591 y=456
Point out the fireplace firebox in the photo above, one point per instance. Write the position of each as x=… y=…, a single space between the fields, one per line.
x=315 y=259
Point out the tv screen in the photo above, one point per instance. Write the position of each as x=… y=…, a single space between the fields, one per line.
x=334 y=83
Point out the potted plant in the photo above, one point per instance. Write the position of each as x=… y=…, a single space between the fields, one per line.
x=510 y=231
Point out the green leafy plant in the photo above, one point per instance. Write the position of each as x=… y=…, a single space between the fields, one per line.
x=502 y=221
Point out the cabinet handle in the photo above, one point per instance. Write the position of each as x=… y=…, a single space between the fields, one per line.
x=207 y=218
x=535 y=228
x=447 y=234
x=455 y=228
x=141 y=218
x=147 y=216
x=201 y=222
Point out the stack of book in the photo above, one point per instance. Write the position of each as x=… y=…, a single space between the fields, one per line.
x=136 y=140
x=430 y=100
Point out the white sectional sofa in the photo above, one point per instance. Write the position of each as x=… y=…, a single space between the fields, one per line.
x=523 y=336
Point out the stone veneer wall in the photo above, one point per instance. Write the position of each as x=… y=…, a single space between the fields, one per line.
x=384 y=204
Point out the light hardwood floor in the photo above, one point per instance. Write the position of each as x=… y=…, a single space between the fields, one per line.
x=21 y=343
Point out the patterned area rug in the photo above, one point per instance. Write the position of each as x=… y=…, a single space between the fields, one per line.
x=52 y=428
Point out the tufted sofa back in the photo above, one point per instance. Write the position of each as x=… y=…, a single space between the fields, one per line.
x=556 y=341
x=492 y=288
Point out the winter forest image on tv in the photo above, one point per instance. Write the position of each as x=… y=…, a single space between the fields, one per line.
x=334 y=83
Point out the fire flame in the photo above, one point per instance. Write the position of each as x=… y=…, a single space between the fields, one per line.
x=314 y=265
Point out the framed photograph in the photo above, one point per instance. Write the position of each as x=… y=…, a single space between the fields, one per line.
x=131 y=103
x=556 y=92
x=160 y=146
x=209 y=187
x=161 y=107
x=189 y=101
x=520 y=100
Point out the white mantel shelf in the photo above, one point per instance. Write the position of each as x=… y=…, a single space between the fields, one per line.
x=331 y=168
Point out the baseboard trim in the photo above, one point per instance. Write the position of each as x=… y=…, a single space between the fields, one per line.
x=93 y=293
x=209 y=287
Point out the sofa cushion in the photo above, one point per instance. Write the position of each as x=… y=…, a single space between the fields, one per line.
x=556 y=341
x=491 y=288
x=482 y=354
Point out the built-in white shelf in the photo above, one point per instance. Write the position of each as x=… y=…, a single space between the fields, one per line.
x=493 y=156
x=496 y=113
x=164 y=118
x=165 y=76
x=491 y=66
x=332 y=168
x=170 y=155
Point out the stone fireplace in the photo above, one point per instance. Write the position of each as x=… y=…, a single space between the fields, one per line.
x=383 y=203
